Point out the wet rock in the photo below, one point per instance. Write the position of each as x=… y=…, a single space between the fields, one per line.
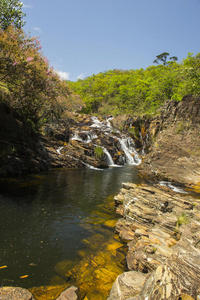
x=15 y=293
x=69 y=294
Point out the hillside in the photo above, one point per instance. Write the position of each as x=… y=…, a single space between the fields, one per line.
x=139 y=91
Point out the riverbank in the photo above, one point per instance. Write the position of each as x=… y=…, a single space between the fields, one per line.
x=160 y=224
x=162 y=229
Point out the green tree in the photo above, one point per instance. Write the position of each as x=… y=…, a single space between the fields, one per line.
x=11 y=14
x=28 y=84
x=161 y=57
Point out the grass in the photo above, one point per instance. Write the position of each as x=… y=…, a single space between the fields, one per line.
x=98 y=152
x=182 y=219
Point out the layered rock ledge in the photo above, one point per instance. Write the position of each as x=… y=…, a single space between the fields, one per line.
x=162 y=229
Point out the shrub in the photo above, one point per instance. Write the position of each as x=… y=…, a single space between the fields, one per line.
x=98 y=152
x=36 y=91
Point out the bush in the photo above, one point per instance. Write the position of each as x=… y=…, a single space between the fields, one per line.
x=36 y=91
x=98 y=152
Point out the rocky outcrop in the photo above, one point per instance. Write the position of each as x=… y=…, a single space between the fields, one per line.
x=79 y=142
x=162 y=231
x=15 y=293
x=170 y=141
x=24 y=151
x=94 y=142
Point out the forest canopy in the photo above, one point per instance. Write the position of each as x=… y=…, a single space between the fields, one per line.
x=139 y=91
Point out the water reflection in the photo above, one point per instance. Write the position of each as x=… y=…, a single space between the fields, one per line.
x=42 y=219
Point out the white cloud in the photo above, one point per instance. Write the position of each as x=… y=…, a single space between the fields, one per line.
x=37 y=29
x=81 y=76
x=63 y=75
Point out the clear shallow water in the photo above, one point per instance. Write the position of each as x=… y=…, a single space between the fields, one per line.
x=42 y=219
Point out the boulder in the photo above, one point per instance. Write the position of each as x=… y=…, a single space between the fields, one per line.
x=69 y=294
x=127 y=285
x=15 y=293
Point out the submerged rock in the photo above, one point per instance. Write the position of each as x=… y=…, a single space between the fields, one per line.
x=69 y=294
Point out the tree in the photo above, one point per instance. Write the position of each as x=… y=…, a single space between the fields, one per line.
x=11 y=14
x=28 y=84
x=174 y=58
x=163 y=58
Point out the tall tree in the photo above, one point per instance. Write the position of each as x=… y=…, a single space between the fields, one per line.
x=11 y=14
x=162 y=57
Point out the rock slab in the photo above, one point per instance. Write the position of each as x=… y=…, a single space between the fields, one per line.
x=15 y=293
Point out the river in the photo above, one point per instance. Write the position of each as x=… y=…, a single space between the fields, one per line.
x=45 y=218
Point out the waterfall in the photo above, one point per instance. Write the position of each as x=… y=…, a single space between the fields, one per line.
x=128 y=147
x=89 y=137
x=102 y=133
x=109 y=157
x=58 y=150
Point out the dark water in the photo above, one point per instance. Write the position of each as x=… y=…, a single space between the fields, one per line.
x=41 y=219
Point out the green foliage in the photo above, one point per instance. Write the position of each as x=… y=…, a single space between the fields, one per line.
x=35 y=91
x=98 y=152
x=163 y=58
x=182 y=219
x=11 y=14
x=4 y=91
x=139 y=91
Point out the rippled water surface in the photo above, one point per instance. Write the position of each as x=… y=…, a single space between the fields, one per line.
x=43 y=219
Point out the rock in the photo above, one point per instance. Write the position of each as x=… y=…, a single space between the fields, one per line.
x=69 y=294
x=171 y=279
x=127 y=285
x=175 y=161
x=167 y=248
x=15 y=293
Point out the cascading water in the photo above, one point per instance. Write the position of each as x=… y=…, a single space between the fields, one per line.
x=128 y=147
x=109 y=157
x=88 y=136
x=100 y=133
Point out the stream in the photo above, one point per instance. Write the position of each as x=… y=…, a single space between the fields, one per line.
x=46 y=218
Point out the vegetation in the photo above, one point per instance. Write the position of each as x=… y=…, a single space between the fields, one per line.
x=28 y=84
x=98 y=152
x=182 y=219
x=140 y=91
x=39 y=96
x=11 y=14
x=163 y=58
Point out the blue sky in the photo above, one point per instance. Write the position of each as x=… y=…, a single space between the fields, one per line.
x=85 y=37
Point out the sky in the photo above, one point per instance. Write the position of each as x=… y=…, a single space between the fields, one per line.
x=84 y=37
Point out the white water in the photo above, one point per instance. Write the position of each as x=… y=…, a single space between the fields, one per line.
x=130 y=156
x=172 y=187
x=74 y=158
x=58 y=150
x=87 y=165
x=127 y=145
x=109 y=157
x=89 y=136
